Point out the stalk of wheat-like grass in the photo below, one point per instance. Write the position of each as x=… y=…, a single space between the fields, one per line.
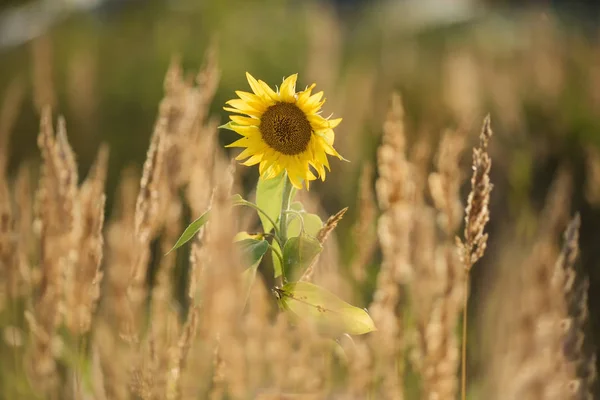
x=57 y=215
x=579 y=356
x=394 y=227
x=477 y=215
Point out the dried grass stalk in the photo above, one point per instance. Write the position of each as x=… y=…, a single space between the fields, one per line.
x=395 y=190
x=147 y=204
x=532 y=364
x=8 y=246
x=57 y=213
x=85 y=288
x=322 y=236
x=26 y=245
x=394 y=227
x=477 y=212
x=116 y=356
x=147 y=219
x=437 y=287
x=579 y=355
x=477 y=215
x=444 y=185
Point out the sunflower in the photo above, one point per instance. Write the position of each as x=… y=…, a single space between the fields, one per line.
x=283 y=130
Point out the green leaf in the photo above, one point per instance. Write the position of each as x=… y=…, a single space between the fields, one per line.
x=268 y=199
x=191 y=230
x=253 y=249
x=228 y=125
x=299 y=252
x=245 y=235
x=248 y=277
x=330 y=314
x=312 y=224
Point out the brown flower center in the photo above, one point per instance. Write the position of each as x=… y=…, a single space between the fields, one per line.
x=285 y=128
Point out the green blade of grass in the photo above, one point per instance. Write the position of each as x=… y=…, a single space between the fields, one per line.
x=190 y=231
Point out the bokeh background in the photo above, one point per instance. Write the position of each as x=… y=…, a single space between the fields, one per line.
x=533 y=66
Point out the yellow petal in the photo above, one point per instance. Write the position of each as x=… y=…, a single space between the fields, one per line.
x=247 y=97
x=243 y=142
x=248 y=121
x=271 y=168
x=255 y=159
x=273 y=171
x=245 y=130
x=322 y=158
x=314 y=99
x=304 y=95
x=243 y=105
x=334 y=122
x=265 y=165
x=262 y=165
x=252 y=113
x=320 y=169
x=288 y=88
x=268 y=91
x=250 y=152
x=271 y=157
x=296 y=180
x=317 y=122
x=244 y=154
x=309 y=175
x=330 y=150
x=254 y=84
x=298 y=171
x=247 y=141
x=326 y=134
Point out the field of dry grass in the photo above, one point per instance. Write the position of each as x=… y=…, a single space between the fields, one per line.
x=448 y=208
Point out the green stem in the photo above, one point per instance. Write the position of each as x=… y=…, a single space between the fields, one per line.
x=259 y=210
x=286 y=198
x=285 y=207
x=297 y=214
x=277 y=253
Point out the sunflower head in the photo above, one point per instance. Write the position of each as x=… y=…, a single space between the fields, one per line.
x=283 y=130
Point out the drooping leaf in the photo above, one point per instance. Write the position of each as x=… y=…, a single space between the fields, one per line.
x=268 y=199
x=191 y=230
x=299 y=252
x=248 y=277
x=242 y=236
x=253 y=249
x=330 y=314
x=312 y=224
x=229 y=125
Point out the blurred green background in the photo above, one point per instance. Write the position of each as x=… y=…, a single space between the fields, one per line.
x=534 y=66
x=101 y=64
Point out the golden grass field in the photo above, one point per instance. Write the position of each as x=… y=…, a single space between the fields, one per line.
x=474 y=175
